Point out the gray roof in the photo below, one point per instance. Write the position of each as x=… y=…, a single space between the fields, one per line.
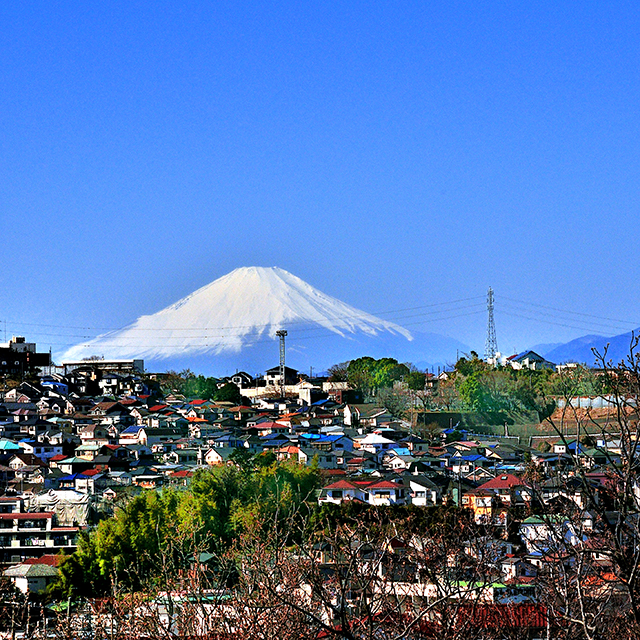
x=31 y=571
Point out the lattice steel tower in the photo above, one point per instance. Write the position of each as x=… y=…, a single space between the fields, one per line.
x=281 y=333
x=491 y=345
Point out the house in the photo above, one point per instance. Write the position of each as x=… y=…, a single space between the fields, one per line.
x=95 y=434
x=385 y=493
x=307 y=456
x=512 y=568
x=31 y=578
x=242 y=379
x=529 y=360
x=42 y=450
x=508 y=489
x=183 y=456
x=551 y=533
x=218 y=455
x=482 y=503
x=374 y=443
x=397 y=459
x=272 y=377
x=337 y=492
x=423 y=491
x=329 y=442
x=366 y=415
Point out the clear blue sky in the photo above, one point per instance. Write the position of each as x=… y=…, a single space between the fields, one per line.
x=393 y=154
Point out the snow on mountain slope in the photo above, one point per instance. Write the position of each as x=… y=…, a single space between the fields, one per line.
x=235 y=312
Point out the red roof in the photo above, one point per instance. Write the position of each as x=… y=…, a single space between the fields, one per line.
x=504 y=481
x=38 y=515
x=57 y=458
x=183 y=473
x=50 y=559
x=384 y=484
x=501 y=616
x=91 y=472
x=341 y=484
x=158 y=407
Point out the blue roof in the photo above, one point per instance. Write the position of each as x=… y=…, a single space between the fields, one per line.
x=401 y=451
x=328 y=438
x=132 y=429
x=9 y=445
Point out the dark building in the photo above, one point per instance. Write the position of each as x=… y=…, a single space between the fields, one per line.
x=18 y=357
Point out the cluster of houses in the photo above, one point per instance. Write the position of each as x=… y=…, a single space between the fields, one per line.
x=65 y=456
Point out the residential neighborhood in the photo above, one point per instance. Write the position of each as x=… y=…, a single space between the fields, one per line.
x=71 y=459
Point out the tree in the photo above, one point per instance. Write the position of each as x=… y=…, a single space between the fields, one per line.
x=339 y=372
x=228 y=393
x=593 y=585
x=396 y=400
x=369 y=375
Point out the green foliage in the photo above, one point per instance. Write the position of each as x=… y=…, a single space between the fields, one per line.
x=454 y=436
x=155 y=533
x=579 y=381
x=228 y=393
x=504 y=389
x=416 y=380
x=471 y=365
x=190 y=385
x=397 y=401
x=368 y=374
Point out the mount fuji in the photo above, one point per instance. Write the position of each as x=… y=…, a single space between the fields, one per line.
x=230 y=324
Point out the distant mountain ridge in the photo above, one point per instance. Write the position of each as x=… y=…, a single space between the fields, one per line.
x=230 y=324
x=581 y=349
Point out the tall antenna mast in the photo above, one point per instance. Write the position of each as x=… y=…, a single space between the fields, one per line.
x=281 y=333
x=491 y=345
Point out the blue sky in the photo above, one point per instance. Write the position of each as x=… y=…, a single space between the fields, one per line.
x=393 y=155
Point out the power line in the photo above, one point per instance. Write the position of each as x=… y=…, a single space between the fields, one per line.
x=363 y=314
x=573 y=313
x=546 y=321
x=113 y=341
x=573 y=323
x=259 y=329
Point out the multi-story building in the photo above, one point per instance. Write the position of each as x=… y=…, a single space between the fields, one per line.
x=26 y=534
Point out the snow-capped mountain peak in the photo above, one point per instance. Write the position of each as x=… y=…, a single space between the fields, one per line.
x=234 y=312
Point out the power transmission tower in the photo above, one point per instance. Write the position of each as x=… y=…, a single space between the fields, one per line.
x=281 y=333
x=491 y=345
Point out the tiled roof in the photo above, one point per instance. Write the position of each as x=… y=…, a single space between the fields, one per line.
x=341 y=484
x=39 y=515
x=48 y=559
x=504 y=481
x=384 y=484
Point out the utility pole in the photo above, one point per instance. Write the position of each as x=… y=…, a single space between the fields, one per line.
x=491 y=345
x=281 y=333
